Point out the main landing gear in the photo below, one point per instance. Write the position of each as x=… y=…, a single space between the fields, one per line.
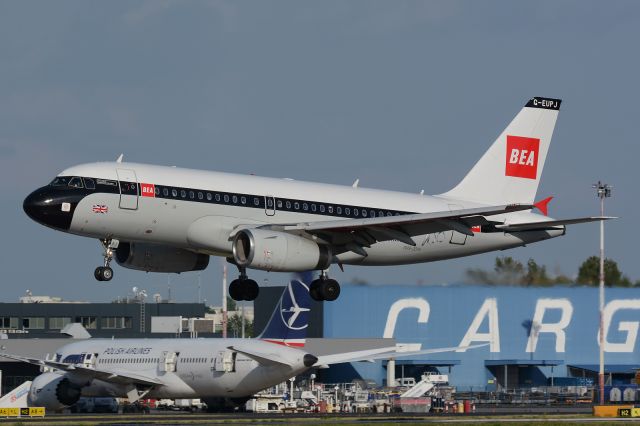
x=324 y=288
x=105 y=273
x=243 y=288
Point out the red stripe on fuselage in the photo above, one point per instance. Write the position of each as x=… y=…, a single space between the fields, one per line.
x=286 y=343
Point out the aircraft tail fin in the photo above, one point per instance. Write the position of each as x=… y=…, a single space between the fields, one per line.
x=509 y=171
x=290 y=319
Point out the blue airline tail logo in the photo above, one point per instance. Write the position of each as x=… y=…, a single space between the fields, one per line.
x=289 y=321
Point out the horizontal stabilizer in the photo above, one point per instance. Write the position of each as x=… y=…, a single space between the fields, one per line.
x=535 y=226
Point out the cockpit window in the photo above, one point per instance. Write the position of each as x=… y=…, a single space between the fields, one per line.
x=89 y=183
x=60 y=181
x=76 y=182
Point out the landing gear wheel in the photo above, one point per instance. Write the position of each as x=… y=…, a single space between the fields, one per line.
x=107 y=273
x=324 y=289
x=314 y=290
x=250 y=290
x=244 y=288
x=103 y=273
x=330 y=290
x=235 y=290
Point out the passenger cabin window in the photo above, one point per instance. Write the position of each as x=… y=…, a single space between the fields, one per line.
x=76 y=182
x=89 y=183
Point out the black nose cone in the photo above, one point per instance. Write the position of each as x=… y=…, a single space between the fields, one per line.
x=48 y=208
x=309 y=360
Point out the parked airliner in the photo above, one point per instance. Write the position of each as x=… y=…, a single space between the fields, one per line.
x=207 y=368
x=169 y=219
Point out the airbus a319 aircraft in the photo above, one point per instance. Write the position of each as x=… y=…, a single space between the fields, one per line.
x=210 y=368
x=169 y=219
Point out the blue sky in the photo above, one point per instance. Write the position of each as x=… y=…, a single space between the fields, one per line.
x=405 y=95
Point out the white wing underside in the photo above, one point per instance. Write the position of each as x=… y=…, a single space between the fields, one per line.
x=354 y=234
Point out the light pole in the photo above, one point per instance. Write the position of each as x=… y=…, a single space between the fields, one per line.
x=603 y=191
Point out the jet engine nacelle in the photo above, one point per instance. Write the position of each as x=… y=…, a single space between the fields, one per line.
x=278 y=251
x=53 y=391
x=156 y=258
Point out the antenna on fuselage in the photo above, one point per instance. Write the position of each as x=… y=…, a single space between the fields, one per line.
x=119 y=160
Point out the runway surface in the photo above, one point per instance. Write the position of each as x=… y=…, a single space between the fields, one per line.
x=169 y=418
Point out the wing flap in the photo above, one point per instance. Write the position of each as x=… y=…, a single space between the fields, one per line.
x=543 y=225
x=408 y=219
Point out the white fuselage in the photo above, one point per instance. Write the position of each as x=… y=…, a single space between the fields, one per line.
x=187 y=368
x=191 y=210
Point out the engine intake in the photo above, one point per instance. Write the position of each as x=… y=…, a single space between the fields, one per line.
x=278 y=251
x=157 y=258
x=53 y=391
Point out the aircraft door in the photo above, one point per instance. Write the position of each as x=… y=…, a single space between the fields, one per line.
x=168 y=362
x=128 y=189
x=269 y=205
x=225 y=361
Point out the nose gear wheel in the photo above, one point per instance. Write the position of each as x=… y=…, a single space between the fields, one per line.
x=105 y=273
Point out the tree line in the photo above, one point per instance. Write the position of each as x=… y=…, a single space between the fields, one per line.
x=508 y=271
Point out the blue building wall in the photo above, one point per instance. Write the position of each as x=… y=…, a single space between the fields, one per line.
x=449 y=311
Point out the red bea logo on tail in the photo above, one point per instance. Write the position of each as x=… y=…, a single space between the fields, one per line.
x=522 y=157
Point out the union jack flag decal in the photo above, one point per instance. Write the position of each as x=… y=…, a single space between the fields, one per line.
x=100 y=208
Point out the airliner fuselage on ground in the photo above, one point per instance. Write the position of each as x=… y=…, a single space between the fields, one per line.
x=207 y=368
x=169 y=219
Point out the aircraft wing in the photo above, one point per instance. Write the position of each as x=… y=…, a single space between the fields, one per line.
x=383 y=353
x=264 y=358
x=544 y=225
x=119 y=377
x=354 y=234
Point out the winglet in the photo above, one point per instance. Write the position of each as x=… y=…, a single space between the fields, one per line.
x=543 y=205
x=119 y=159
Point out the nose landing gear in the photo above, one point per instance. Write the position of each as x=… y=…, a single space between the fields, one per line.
x=324 y=288
x=243 y=288
x=105 y=273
